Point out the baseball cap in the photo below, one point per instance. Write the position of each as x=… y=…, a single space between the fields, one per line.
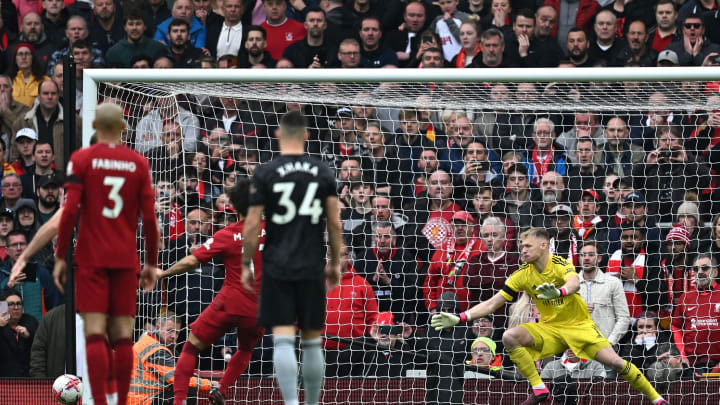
x=345 y=112
x=492 y=345
x=7 y=212
x=385 y=318
x=49 y=179
x=27 y=133
x=594 y=194
x=668 y=56
x=678 y=233
x=463 y=216
x=635 y=197
x=562 y=209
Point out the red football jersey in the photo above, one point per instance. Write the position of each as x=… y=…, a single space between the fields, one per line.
x=282 y=35
x=228 y=243
x=110 y=185
x=697 y=315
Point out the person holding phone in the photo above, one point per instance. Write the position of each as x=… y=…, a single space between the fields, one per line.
x=34 y=283
x=17 y=329
x=394 y=352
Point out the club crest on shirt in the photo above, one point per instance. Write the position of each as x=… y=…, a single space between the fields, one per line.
x=288 y=36
x=437 y=231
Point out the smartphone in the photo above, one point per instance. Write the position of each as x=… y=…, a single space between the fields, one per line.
x=31 y=272
x=427 y=38
x=390 y=329
x=3 y=307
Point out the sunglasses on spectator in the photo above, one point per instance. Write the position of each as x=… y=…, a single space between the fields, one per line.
x=693 y=25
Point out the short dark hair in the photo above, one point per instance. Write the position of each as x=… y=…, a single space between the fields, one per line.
x=590 y=242
x=527 y=13
x=134 y=14
x=43 y=142
x=577 y=29
x=664 y=2
x=137 y=58
x=293 y=123
x=315 y=10
x=239 y=196
x=17 y=232
x=518 y=167
x=694 y=16
x=176 y=22
x=370 y=17
x=9 y=292
x=80 y=44
x=257 y=28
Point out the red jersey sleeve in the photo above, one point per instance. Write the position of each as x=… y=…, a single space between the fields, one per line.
x=211 y=248
x=71 y=207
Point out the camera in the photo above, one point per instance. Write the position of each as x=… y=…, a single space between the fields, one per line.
x=390 y=329
x=427 y=38
x=666 y=154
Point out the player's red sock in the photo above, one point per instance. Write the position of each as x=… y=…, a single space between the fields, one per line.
x=123 y=363
x=237 y=365
x=96 y=351
x=110 y=386
x=183 y=370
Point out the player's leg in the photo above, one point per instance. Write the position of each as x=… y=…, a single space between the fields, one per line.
x=516 y=341
x=186 y=366
x=121 y=328
x=278 y=311
x=96 y=352
x=311 y=319
x=248 y=336
x=629 y=372
x=123 y=307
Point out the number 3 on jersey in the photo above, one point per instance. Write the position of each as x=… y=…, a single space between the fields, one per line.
x=310 y=205
x=115 y=184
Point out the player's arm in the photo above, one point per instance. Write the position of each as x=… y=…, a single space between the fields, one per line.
x=187 y=263
x=334 y=229
x=251 y=232
x=42 y=237
x=446 y=320
x=74 y=190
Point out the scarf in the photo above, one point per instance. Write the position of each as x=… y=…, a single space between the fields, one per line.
x=460 y=260
x=384 y=258
x=586 y=227
x=541 y=167
x=462 y=56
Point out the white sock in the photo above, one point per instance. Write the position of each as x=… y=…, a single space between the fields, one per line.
x=657 y=401
x=539 y=387
x=112 y=399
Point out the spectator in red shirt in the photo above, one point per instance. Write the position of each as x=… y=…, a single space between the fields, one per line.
x=666 y=31
x=351 y=311
x=451 y=264
x=695 y=324
x=281 y=31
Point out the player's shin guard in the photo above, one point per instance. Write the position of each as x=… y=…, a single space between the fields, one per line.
x=525 y=364
x=286 y=367
x=237 y=365
x=313 y=369
x=636 y=378
x=122 y=367
x=183 y=371
x=96 y=352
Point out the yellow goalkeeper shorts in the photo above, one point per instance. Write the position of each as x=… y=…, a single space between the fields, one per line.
x=584 y=339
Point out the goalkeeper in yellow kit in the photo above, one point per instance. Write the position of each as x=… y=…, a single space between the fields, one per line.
x=564 y=319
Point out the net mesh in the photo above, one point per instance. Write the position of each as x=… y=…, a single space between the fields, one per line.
x=629 y=165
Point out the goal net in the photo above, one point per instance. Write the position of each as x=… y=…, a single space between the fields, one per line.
x=437 y=178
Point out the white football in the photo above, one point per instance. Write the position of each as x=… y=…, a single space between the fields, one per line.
x=67 y=389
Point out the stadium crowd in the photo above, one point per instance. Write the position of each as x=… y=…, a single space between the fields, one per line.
x=432 y=200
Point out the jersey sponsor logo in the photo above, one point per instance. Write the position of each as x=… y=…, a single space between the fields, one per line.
x=437 y=231
x=703 y=323
x=555 y=302
x=208 y=243
x=692 y=308
x=70 y=168
x=237 y=237
x=117 y=165
x=717 y=307
x=297 y=166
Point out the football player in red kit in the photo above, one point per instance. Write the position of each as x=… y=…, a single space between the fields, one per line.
x=109 y=185
x=233 y=306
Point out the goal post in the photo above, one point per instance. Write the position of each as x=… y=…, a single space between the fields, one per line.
x=439 y=171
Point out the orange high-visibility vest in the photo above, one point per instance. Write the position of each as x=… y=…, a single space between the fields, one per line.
x=149 y=379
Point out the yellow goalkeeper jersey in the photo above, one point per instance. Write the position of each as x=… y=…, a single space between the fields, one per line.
x=562 y=310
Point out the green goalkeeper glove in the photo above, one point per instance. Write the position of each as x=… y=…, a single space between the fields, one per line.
x=548 y=291
x=444 y=320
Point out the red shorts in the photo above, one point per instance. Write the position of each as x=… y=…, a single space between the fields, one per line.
x=106 y=291
x=214 y=321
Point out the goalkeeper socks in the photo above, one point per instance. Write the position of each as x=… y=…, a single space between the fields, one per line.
x=122 y=367
x=313 y=369
x=96 y=352
x=525 y=364
x=183 y=370
x=632 y=375
x=237 y=365
x=286 y=367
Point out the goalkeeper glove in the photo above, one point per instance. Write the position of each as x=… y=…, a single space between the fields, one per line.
x=445 y=320
x=548 y=291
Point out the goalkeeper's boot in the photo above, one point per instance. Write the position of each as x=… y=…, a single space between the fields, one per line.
x=216 y=397
x=535 y=399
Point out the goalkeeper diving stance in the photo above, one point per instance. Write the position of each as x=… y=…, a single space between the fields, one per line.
x=564 y=319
